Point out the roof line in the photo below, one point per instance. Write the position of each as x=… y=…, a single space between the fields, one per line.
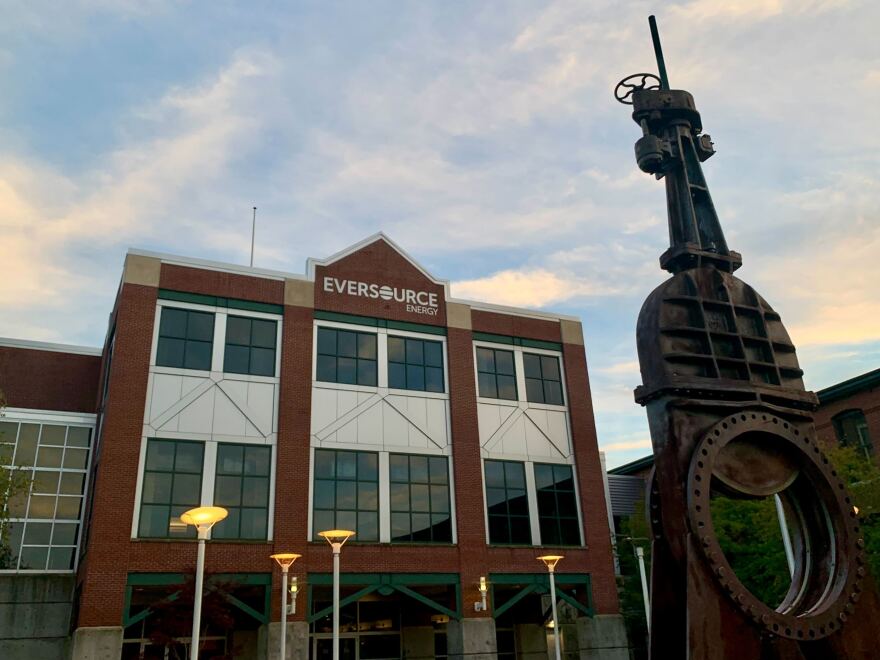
x=851 y=386
x=633 y=466
x=225 y=267
x=30 y=344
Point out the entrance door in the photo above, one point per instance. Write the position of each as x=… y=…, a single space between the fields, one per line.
x=323 y=648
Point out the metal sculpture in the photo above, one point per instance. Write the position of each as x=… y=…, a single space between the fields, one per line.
x=729 y=414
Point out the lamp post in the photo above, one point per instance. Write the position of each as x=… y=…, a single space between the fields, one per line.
x=550 y=561
x=336 y=538
x=203 y=518
x=640 y=554
x=284 y=560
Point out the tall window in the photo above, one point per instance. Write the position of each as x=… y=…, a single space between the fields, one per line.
x=250 y=346
x=185 y=339
x=851 y=428
x=172 y=484
x=415 y=364
x=345 y=356
x=347 y=493
x=242 y=487
x=496 y=374
x=43 y=524
x=507 y=503
x=543 y=381
x=557 y=505
x=420 y=499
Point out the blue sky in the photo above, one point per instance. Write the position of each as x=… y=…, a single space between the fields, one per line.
x=481 y=136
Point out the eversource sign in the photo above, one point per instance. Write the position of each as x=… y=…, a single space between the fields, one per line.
x=417 y=302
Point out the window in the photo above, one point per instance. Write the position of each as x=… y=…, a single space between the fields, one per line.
x=508 y=506
x=347 y=493
x=250 y=346
x=242 y=487
x=185 y=339
x=172 y=484
x=852 y=431
x=345 y=356
x=543 y=381
x=415 y=364
x=557 y=505
x=420 y=499
x=496 y=374
x=43 y=525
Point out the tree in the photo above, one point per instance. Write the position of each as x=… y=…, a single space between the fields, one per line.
x=14 y=483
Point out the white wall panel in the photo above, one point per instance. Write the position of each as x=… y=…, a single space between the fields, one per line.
x=523 y=432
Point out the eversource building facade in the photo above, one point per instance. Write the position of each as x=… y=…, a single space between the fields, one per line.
x=456 y=438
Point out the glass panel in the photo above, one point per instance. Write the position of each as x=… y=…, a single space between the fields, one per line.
x=325 y=464
x=254 y=523
x=570 y=532
x=49 y=456
x=534 y=390
x=553 y=393
x=256 y=491
x=8 y=432
x=515 y=475
x=439 y=499
x=346 y=495
x=160 y=455
x=547 y=504
x=439 y=468
x=263 y=333
x=75 y=458
x=486 y=360
x=494 y=474
x=366 y=372
x=433 y=379
x=420 y=498
x=346 y=371
x=498 y=529
x=61 y=559
x=368 y=466
x=64 y=534
x=496 y=501
x=227 y=491
x=200 y=326
x=229 y=527
x=52 y=435
x=156 y=488
x=153 y=521
x=323 y=520
x=198 y=355
x=418 y=469
x=396 y=349
x=169 y=352
x=517 y=502
x=326 y=341
x=543 y=476
x=414 y=352
x=78 y=436
x=326 y=369
x=368 y=526
x=397 y=376
x=433 y=354
x=506 y=387
x=415 y=377
x=262 y=361
x=441 y=528
x=520 y=532
x=257 y=461
x=550 y=367
x=236 y=359
x=45 y=482
x=34 y=558
x=348 y=520
x=6 y=452
x=398 y=467
x=172 y=323
x=325 y=494
x=346 y=344
x=421 y=527
x=531 y=365
x=238 y=330
x=487 y=384
x=346 y=465
x=399 y=497
x=41 y=506
x=504 y=362
x=186 y=489
x=189 y=457
x=36 y=533
x=230 y=458
x=566 y=503
x=366 y=346
x=26 y=450
x=400 y=527
x=68 y=508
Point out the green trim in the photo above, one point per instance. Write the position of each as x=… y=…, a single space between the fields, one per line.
x=540 y=583
x=385 y=578
x=219 y=301
x=374 y=322
x=353 y=598
x=154 y=579
x=262 y=617
x=849 y=387
x=518 y=341
x=498 y=611
x=424 y=600
x=633 y=466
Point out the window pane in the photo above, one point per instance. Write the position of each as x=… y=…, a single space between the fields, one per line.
x=498 y=530
x=72 y=483
x=346 y=465
x=262 y=362
x=200 y=326
x=37 y=533
x=186 y=489
x=420 y=498
x=550 y=367
x=346 y=370
x=60 y=559
x=570 y=532
x=399 y=467
x=567 y=503
x=415 y=377
x=26 y=450
x=189 y=457
x=442 y=528
x=45 y=482
x=421 y=527
x=169 y=352
x=397 y=376
x=553 y=393
x=34 y=558
x=325 y=464
x=198 y=355
x=160 y=455
x=486 y=360
x=263 y=333
x=494 y=474
x=77 y=436
x=323 y=520
x=156 y=488
x=327 y=341
x=504 y=362
x=439 y=468
x=325 y=494
x=346 y=344
x=75 y=458
x=396 y=349
x=400 y=527
x=368 y=466
x=257 y=461
x=487 y=386
x=517 y=503
x=433 y=354
x=256 y=491
x=326 y=369
x=439 y=499
x=433 y=379
x=230 y=458
x=347 y=520
x=418 y=469
x=227 y=491
x=399 y=497
x=238 y=331
x=515 y=475
x=64 y=534
x=496 y=501
x=414 y=352
x=520 y=532
x=52 y=435
x=254 y=523
x=547 y=504
x=532 y=365
x=172 y=323
x=49 y=456
x=506 y=387
x=41 y=506
x=346 y=495
x=368 y=526
x=235 y=360
x=366 y=346
x=366 y=372
x=229 y=527
x=68 y=508
x=534 y=390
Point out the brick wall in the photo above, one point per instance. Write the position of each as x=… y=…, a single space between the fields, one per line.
x=49 y=380
x=868 y=401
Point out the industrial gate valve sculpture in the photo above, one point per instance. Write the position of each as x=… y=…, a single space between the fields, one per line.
x=728 y=414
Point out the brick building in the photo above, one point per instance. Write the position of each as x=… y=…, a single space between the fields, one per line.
x=456 y=438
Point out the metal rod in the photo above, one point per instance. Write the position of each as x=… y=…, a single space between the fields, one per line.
x=197 y=607
x=336 y=548
x=786 y=537
x=283 y=655
x=640 y=553
x=253 y=233
x=555 y=619
x=658 y=53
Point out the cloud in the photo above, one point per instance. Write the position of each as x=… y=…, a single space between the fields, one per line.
x=528 y=288
x=644 y=443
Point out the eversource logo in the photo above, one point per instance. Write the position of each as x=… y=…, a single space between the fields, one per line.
x=417 y=302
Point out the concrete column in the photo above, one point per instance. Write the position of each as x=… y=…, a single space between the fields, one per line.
x=602 y=637
x=98 y=643
x=418 y=642
x=531 y=640
x=472 y=639
x=297 y=641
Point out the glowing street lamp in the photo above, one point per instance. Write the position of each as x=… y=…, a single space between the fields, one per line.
x=284 y=560
x=336 y=538
x=203 y=518
x=550 y=561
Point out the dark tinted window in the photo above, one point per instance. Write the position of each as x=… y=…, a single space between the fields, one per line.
x=415 y=364
x=346 y=493
x=496 y=374
x=346 y=356
x=420 y=499
x=185 y=339
x=557 y=505
x=250 y=346
x=172 y=484
x=242 y=487
x=543 y=380
x=507 y=503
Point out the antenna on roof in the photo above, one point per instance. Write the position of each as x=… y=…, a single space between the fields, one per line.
x=253 y=233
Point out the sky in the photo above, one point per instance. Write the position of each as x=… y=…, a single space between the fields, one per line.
x=481 y=136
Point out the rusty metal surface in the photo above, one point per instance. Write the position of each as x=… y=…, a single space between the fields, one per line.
x=729 y=414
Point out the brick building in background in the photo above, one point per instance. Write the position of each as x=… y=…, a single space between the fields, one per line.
x=456 y=438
